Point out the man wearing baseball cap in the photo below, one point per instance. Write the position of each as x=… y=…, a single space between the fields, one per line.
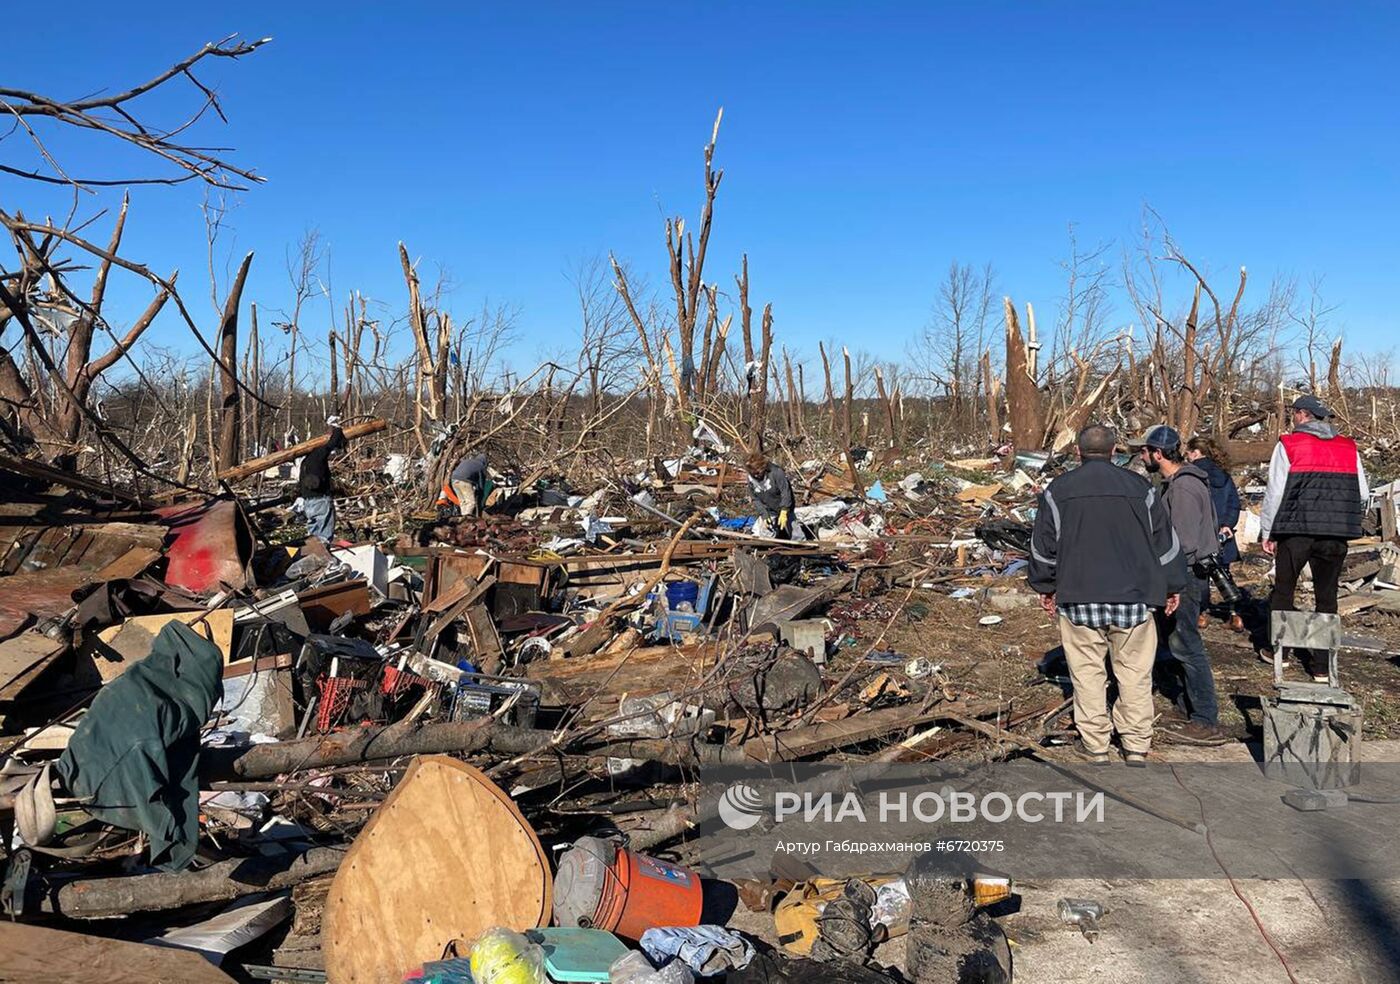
x=1315 y=500
x=1192 y=511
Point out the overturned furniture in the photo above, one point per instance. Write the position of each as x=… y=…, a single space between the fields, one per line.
x=1312 y=731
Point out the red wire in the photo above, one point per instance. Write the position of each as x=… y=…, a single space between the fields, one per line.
x=1253 y=914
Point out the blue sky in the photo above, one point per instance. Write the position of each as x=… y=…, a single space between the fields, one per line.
x=865 y=146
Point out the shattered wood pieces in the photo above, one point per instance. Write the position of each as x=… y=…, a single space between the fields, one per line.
x=458 y=609
x=814 y=739
x=55 y=476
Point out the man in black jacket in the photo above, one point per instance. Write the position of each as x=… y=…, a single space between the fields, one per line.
x=1103 y=555
x=314 y=484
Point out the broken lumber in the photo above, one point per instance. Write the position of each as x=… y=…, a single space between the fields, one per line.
x=813 y=739
x=267 y=461
x=591 y=639
x=56 y=476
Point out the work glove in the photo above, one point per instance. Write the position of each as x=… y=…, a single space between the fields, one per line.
x=783 y=519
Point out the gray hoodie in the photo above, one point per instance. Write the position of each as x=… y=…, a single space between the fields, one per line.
x=1193 y=514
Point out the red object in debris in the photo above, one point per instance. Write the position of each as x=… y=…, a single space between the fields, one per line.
x=335 y=700
x=209 y=546
x=396 y=681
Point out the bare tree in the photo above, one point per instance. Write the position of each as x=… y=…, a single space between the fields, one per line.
x=951 y=345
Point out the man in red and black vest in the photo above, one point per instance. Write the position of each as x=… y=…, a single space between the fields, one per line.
x=1315 y=501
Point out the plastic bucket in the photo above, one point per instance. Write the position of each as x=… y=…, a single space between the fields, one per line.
x=682 y=592
x=604 y=886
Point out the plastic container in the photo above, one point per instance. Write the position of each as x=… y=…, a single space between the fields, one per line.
x=680 y=593
x=602 y=885
x=635 y=968
x=502 y=956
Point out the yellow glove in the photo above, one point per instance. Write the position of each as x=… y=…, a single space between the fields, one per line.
x=782 y=519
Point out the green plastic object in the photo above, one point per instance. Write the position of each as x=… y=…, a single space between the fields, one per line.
x=572 y=953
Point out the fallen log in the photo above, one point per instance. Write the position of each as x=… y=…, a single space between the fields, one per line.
x=376 y=744
x=256 y=465
x=91 y=898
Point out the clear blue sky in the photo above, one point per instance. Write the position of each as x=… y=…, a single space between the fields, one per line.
x=865 y=146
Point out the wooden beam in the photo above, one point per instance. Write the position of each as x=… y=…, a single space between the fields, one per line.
x=298 y=450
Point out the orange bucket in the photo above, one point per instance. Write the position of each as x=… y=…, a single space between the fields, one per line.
x=605 y=886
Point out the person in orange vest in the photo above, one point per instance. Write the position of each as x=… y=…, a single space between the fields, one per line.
x=1314 y=503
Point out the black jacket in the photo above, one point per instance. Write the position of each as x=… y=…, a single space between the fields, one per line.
x=315 y=476
x=1103 y=535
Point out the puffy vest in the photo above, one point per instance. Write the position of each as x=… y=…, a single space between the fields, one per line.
x=1323 y=494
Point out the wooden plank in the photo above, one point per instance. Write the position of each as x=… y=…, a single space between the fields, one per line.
x=55 y=476
x=37 y=953
x=132 y=639
x=459 y=608
x=23 y=658
x=462 y=587
x=447 y=856
x=281 y=661
x=129 y=564
x=486 y=641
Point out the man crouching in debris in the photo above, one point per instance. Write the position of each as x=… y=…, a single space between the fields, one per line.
x=772 y=493
x=314 y=484
x=465 y=488
x=1103 y=555
x=1192 y=512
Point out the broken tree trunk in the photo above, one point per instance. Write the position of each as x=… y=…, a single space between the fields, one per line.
x=230 y=407
x=297 y=450
x=1025 y=405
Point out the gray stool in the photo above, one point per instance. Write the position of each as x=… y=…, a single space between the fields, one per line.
x=1312 y=731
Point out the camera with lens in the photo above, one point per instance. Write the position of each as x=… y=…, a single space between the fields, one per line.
x=1210 y=569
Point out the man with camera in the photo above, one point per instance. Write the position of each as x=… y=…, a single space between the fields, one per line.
x=1188 y=500
x=1315 y=500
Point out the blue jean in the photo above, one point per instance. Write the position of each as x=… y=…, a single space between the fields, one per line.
x=1182 y=633
x=320 y=517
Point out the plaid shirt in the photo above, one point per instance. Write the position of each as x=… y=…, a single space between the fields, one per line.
x=1097 y=615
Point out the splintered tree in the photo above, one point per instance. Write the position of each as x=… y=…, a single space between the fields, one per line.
x=1025 y=405
x=696 y=376
x=48 y=372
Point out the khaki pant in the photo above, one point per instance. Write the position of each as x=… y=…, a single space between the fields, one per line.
x=466 y=497
x=1133 y=651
